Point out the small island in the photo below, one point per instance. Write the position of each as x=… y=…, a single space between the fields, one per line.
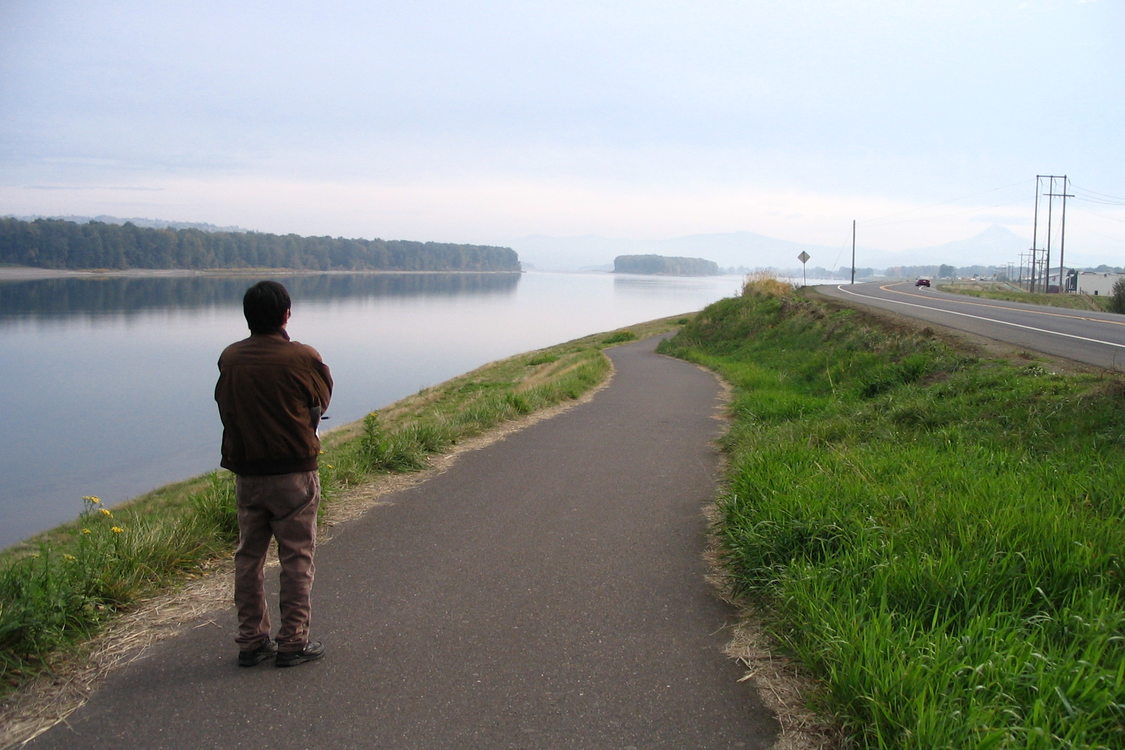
x=664 y=265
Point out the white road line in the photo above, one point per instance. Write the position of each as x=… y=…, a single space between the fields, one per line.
x=981 y=317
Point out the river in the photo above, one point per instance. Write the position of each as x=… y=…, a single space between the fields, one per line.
x=108 y=381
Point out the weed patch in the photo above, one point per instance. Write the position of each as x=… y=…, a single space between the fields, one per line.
x=620 y=337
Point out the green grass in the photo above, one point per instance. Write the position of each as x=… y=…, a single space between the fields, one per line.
x=937 y=538
x=59 y=588
x=1069 y=301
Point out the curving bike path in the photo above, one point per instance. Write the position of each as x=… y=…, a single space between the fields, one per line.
x=547 y=591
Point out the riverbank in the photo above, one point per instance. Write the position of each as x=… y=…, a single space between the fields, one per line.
x=80 y=596
x=65 y=342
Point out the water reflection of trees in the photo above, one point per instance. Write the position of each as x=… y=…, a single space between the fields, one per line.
x=65 y=297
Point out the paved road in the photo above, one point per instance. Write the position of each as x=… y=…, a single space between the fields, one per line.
x=1090 y=337
x=546 y=592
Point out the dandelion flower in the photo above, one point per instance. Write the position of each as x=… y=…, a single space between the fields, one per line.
x=105 y=512
x=117 y=529
x=86 y=531
x=68 y=557
x=93 y=499
x=329 y=466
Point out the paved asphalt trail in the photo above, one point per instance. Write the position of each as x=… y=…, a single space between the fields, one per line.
x=546 y=592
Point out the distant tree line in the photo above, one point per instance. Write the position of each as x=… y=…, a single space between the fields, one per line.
x=660 y=264
x=55 y=243
x=946 y=271
x=934 y=271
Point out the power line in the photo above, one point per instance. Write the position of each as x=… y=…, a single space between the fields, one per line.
x=1107 y=217
x=1099 y=201
x=1095 y=197
x=889 y=218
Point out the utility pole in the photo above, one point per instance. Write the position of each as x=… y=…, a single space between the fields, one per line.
x=1051 y=194
x=853 y=251
x=1047 y=263
x=1034 y=237
x=1062 y=238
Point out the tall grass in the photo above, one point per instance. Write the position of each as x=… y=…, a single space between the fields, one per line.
x=67 y=587
x=938 y=538
x=61 y=587
x=1069 y=300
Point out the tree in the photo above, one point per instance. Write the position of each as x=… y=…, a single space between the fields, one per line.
x=1117 y=302
x=659 y=264
x=55 y=243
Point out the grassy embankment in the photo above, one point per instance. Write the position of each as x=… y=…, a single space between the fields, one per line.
x=937 y=537
x=60 y=588
x=1014 y=294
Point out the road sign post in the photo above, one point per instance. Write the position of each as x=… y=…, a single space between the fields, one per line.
x=804 y=258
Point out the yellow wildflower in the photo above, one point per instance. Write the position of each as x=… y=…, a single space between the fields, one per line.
x=69 y=557
x=93 y=499
x=117 y=529
x=105 y=512
x=86 y=531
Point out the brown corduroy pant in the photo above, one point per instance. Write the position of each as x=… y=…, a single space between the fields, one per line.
x=282 y=507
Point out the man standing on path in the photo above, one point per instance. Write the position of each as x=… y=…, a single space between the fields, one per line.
x=271 y=395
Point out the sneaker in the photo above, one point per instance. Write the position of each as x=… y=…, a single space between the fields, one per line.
x=248 y=657
x=312 y=651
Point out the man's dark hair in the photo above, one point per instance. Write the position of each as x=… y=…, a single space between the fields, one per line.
x=265 y=305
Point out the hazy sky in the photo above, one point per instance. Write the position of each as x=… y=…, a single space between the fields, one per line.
x=484 y=121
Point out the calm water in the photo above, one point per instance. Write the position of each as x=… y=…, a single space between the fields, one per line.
x=107 y=383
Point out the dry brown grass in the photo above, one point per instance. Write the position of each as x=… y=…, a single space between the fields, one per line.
x=765 y=284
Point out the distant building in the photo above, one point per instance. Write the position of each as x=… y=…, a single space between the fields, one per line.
x=1098 y=283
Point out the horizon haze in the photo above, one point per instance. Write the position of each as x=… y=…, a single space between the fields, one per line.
x=995 y=246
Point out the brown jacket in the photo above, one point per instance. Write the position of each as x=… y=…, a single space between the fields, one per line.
x=271 y=394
